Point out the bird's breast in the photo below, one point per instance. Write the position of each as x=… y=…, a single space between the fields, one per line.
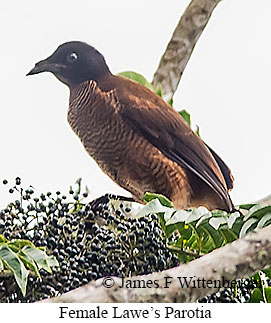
x=101 y=131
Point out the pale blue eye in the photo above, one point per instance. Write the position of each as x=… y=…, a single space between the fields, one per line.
x=72 y=57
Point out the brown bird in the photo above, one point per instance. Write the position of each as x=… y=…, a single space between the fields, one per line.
x=134 y=136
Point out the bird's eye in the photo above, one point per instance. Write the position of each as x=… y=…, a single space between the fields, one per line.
x=72 y=57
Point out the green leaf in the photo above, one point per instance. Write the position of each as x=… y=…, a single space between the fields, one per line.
x=201 y=230
x=158 y=90
x=264 y=221
x=137 y=78
x=229 y=235
x=39 y=256
x=19 y=243
x=178 y=216
x=247 y=227
x=246 y=206
x=267 y=272
x=186 y=116
x=170 y=101
x=212 y=238
x=258 y=297
x=204 y=217
x=267 y=291
x=163 y=200
x=2 y=238
x=237 y=225
x=29 y=263
x=197 y=130
x=257 y=211
x=186 y=231
x=197 y=214
x=216 y=222
x=1 y=265
x=52 y=261
x=155 y=207
x=233 y=218
x=13 y=262
x=257 y=279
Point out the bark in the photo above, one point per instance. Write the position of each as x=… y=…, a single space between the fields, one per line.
x=241 y=258
x=265 y=201
x=181 y=45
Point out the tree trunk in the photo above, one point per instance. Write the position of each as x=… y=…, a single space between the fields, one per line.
x=181 y=45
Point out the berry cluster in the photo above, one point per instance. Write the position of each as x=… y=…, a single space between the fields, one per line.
x=241 y=293
x=89 y=241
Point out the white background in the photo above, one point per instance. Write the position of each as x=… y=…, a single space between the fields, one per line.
x=45 y=313
x=225 y=87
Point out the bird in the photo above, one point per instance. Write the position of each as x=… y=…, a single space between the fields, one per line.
x=135 y=137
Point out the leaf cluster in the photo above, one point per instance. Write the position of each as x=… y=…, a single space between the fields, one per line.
x=195 y=232
x=18 y=257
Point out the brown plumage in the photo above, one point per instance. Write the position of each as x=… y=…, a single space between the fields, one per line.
x=134 y=136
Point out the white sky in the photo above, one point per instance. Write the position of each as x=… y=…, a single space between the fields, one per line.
x=225 y=87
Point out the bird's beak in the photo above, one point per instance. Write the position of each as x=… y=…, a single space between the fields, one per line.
x=45 y=66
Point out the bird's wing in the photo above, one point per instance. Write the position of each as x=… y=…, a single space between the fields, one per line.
x=163 y=127
x=229 y=179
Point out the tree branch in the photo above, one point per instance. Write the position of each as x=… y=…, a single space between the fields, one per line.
x=231 y=262
x=181 y=45
x=265 y=200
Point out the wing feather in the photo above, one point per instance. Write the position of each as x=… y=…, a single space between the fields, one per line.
x=162 y=126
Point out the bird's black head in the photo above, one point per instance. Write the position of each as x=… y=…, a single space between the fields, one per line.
x=73 y=63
